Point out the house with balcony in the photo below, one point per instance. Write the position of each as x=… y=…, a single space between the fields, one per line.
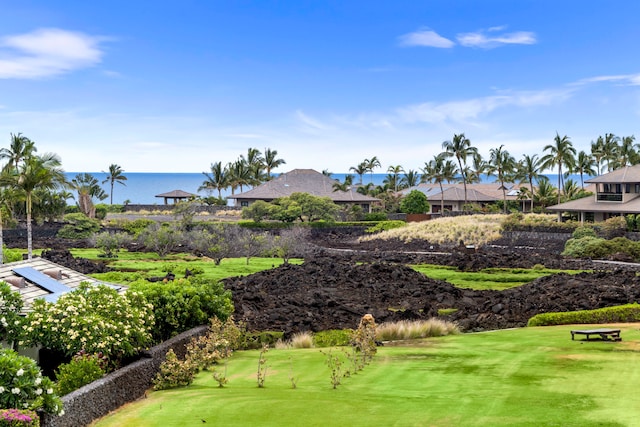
x=615 y=193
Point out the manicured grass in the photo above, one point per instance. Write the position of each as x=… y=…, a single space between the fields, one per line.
x=132 y=265
x=489 y=278
x=523 y=377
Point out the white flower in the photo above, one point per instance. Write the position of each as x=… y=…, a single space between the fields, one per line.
x=61 y=413
x=38 y=391
x=20 y=372
x=15 y=390
x=49 y=391
x=38 y=381
x=1 y=389
x=25 y=405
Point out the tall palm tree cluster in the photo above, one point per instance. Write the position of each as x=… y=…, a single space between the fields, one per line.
x=28 y=178
x=460 y=162
x=247 y=171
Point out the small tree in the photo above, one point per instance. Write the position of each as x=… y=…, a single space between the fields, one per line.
x=415 y=203
x=291 y=241
x=258 y=211
x=161 y=238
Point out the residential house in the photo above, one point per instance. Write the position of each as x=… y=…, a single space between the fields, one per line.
x=616 y=193
x=303 y=181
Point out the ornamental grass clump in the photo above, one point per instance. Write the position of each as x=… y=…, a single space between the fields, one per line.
x=302 y=340
x=96 y=319
x=415 y=329
x=18 y=418
x=22 y=385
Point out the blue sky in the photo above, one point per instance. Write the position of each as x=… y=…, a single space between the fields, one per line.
x=172 y=86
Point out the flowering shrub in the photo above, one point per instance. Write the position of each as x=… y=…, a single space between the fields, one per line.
x=10 y=306
x=22 y=385
x=174 y=373
x=92 y=318
x=18 y=418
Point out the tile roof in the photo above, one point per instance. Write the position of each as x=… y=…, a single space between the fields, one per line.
x=485 y=192
x=589 y=204
x=302 y=181
x=627 y=174
x=176 y=194
x=31 y=291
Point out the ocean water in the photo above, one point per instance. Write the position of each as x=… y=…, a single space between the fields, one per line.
x=142 y=187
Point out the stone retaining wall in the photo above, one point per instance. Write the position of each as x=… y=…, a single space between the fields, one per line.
x=125 y=385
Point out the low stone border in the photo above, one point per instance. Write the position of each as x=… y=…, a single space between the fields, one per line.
x=125 y=385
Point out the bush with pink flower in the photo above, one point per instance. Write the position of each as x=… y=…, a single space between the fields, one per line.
x=18 y=418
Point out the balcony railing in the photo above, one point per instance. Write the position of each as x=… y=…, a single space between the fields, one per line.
x=609 y=197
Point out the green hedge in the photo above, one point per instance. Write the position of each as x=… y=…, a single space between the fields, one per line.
x=332 y=337
x=628 y=313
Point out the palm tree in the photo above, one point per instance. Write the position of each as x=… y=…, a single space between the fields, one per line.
x=610 y=146
x=460 y=148
x=584 y=165
x=410 y=179
x=438 y=170
x=360 y=170
x=597 y=153
x=239 y=174
x=20 y=148
x=114 y=175
x=625 y=153
x=395 y=171
x=371 y=164
x=561 y=153
x=502 y=164
x=218 y=179
x=545 y=193
x=271 y=161
x=255 y=163
x=529 y=169
x=344 y=186
x=37 y=172
x=87 y=187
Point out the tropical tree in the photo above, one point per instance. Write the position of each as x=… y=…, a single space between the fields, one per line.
x=561 y=153
x=345 y=185
x=371 y=164
x=115 y=174
x=217 y=179
x=529 y=169
x=239 y=175
x=395 y=172
x=19 y=149
x=609 y=147
x=625 y=153
x=584 y=165
x=411 y=178
x=545 y=194
x=460 y=148
x=503 y=165
x=87 y=187
x=360 y=170
x=36 y=172
x=255 y=163
x=438 y=170
x=597 y=153
x=271 y=161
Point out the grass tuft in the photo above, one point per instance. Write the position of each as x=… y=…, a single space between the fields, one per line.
x=415 y=329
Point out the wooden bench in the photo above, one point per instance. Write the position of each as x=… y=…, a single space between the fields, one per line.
x=603 y=334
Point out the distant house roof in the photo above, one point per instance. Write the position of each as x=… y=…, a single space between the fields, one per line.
x=176 y=195
x=627 y=174
x=589 y=204
x=485 y=192
x=302 y=181
x=16 y=274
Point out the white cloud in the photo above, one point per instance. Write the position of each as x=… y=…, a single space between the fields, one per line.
x=624 y=79
x=47 y=52
x=427 y=38
x=482 y=40
x=310 y=122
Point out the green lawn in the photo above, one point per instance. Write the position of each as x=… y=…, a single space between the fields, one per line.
x=523 y=377
x=488 y=278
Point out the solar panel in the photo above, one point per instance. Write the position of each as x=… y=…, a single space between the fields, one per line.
x=41 y=279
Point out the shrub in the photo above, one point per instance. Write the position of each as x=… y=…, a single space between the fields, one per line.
x=583 y=231
x=162 y=239
x=614 y=227
x=332 y=337
x=414 y=203
x=598 y=248
x=183 y=304
x=376 y=216
x=11 y=255
x=78 y=226
x=173 y=373
x=83 y=369
x=386 y=225
x=10 y=307
x=628 y=313
x=23 y=386
x=92 y=318
x=256 y=340
x=136 y=226
x=18 y=418
x=110 y=243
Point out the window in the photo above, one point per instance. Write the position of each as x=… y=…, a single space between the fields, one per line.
x=244 y=203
